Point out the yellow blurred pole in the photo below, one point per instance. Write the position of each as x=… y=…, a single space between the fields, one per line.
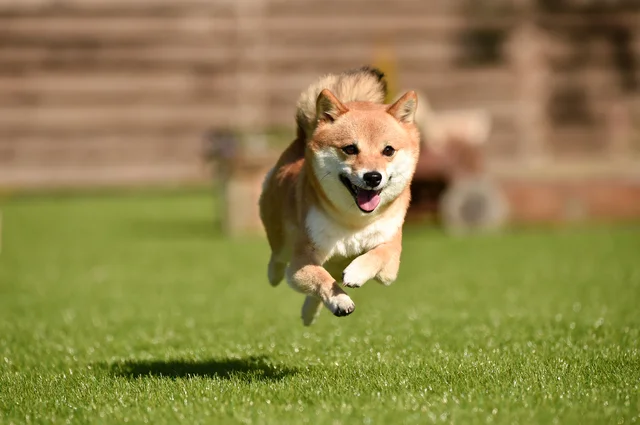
x=385 y=60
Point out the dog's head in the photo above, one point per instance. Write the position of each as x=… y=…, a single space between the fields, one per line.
x=364 y=154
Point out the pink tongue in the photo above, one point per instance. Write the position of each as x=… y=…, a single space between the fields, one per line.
x=368 y=200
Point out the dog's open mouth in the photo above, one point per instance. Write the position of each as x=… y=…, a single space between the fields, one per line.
x=366 y=200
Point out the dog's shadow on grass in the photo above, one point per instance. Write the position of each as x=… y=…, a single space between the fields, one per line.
x=253 y=368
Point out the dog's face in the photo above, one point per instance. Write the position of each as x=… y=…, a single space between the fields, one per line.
x=364 y=155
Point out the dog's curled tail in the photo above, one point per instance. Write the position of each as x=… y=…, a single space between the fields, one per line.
x=365 y=84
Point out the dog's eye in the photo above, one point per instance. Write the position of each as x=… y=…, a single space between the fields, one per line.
x=350 y=150
x=388 y=151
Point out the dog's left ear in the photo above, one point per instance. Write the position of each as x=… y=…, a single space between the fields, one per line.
x=404 y=109
x=328 y=107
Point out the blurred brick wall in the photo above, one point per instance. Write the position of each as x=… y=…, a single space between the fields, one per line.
x=122 y=91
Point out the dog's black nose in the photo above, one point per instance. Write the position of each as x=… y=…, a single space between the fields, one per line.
x=372 y=178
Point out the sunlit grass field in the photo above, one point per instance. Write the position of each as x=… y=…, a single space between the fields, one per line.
x=133 y=308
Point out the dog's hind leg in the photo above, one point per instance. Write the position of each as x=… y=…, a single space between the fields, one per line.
x=278 y=261
x=311 y=309
x=275 y=270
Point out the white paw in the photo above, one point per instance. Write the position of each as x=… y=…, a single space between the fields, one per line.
x=341 y=305
x=354 y=276
x=386 y=279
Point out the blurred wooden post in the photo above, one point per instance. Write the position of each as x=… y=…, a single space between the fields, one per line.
x=526 y=53
x=242 y=189
x=246 y=170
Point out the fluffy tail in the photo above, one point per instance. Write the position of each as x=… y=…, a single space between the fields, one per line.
x=365 y=84
x=438 y=129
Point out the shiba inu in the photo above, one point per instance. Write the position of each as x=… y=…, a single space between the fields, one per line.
x=334 y=204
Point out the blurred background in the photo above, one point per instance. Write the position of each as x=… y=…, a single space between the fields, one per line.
x=533 y=105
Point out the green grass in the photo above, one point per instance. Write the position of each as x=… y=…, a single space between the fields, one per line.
x=134 y=309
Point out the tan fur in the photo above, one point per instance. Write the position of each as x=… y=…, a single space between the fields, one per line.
x=317 y=232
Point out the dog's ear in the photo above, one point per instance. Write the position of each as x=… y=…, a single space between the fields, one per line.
x=328 y=107
x=404 y=109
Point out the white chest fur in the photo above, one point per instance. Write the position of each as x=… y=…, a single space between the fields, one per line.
x=333 y=239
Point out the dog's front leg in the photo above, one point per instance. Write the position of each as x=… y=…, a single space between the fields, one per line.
x=306 y=274
x=381 y=263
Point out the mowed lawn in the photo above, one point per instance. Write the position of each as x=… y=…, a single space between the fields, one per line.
x=134 y=309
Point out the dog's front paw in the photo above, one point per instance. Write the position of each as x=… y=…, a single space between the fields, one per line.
x=356 y=274
x=389 y=273
x=341 y=305
x=386 y=279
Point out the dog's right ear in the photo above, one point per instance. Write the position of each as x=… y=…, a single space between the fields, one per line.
x=328 y=107
x=404 y=109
